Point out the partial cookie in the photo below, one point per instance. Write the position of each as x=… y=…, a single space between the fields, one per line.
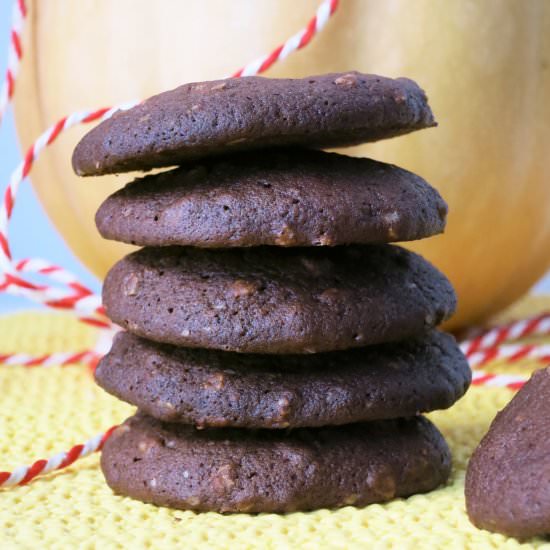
x=508 y=477
x=231 y=470
x=285 y=198
x=211 y=388
x=277 y=300
x=209 y=118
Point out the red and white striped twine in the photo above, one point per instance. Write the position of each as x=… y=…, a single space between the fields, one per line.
x=15 y=53
x=490 y=380
x=296 y=42
x=59 y=359
x=538 y=325
x=510 y=354
x=72 y=295
x=23 y=474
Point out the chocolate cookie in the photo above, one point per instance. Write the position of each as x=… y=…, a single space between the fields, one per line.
x=508 y=477
x=209 y=118
x=217 y=388
x=277 y=300
x=231 y=470
x=285 y=198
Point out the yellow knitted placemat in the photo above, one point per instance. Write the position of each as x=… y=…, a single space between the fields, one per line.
x=46 y=410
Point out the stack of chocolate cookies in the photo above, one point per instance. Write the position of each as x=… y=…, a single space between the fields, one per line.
x=278 y=349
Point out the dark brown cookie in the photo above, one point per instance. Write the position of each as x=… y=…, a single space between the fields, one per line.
x=209 y=118
x=508 y=477
x=277 y=300
x=231 y=470
x=212 y=388
x=285 y=198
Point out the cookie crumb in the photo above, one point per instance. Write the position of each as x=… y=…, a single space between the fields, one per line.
x=283 y=411
x=350 y=499
x=325 y=240
x=121 y=430
x=347 y=80
x=382 y=483
x=224 y=478
x=286 y=237
x=330 y=295
x=145 y=445
x=167 y=408
x=400 y=98
x=221 y=86
x=214 y=382
x=130 y=284
x=241 y=288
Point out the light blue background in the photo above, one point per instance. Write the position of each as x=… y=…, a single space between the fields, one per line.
x=32 y=234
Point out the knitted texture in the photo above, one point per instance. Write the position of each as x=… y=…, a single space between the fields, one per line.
x=46 y=410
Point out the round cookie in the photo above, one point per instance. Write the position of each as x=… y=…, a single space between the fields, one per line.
x=209 y=118
x=284 y=198
x=507 y=485
x=277 y=300
x=231 y=470
x=211 y=388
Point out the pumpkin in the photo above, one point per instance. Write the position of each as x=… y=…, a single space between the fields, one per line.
x=485 y=66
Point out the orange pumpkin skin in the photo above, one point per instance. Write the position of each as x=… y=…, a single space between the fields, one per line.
x=485 y=66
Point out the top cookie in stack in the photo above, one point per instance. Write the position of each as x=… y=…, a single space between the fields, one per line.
x=251 y=113
x=265 y=261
